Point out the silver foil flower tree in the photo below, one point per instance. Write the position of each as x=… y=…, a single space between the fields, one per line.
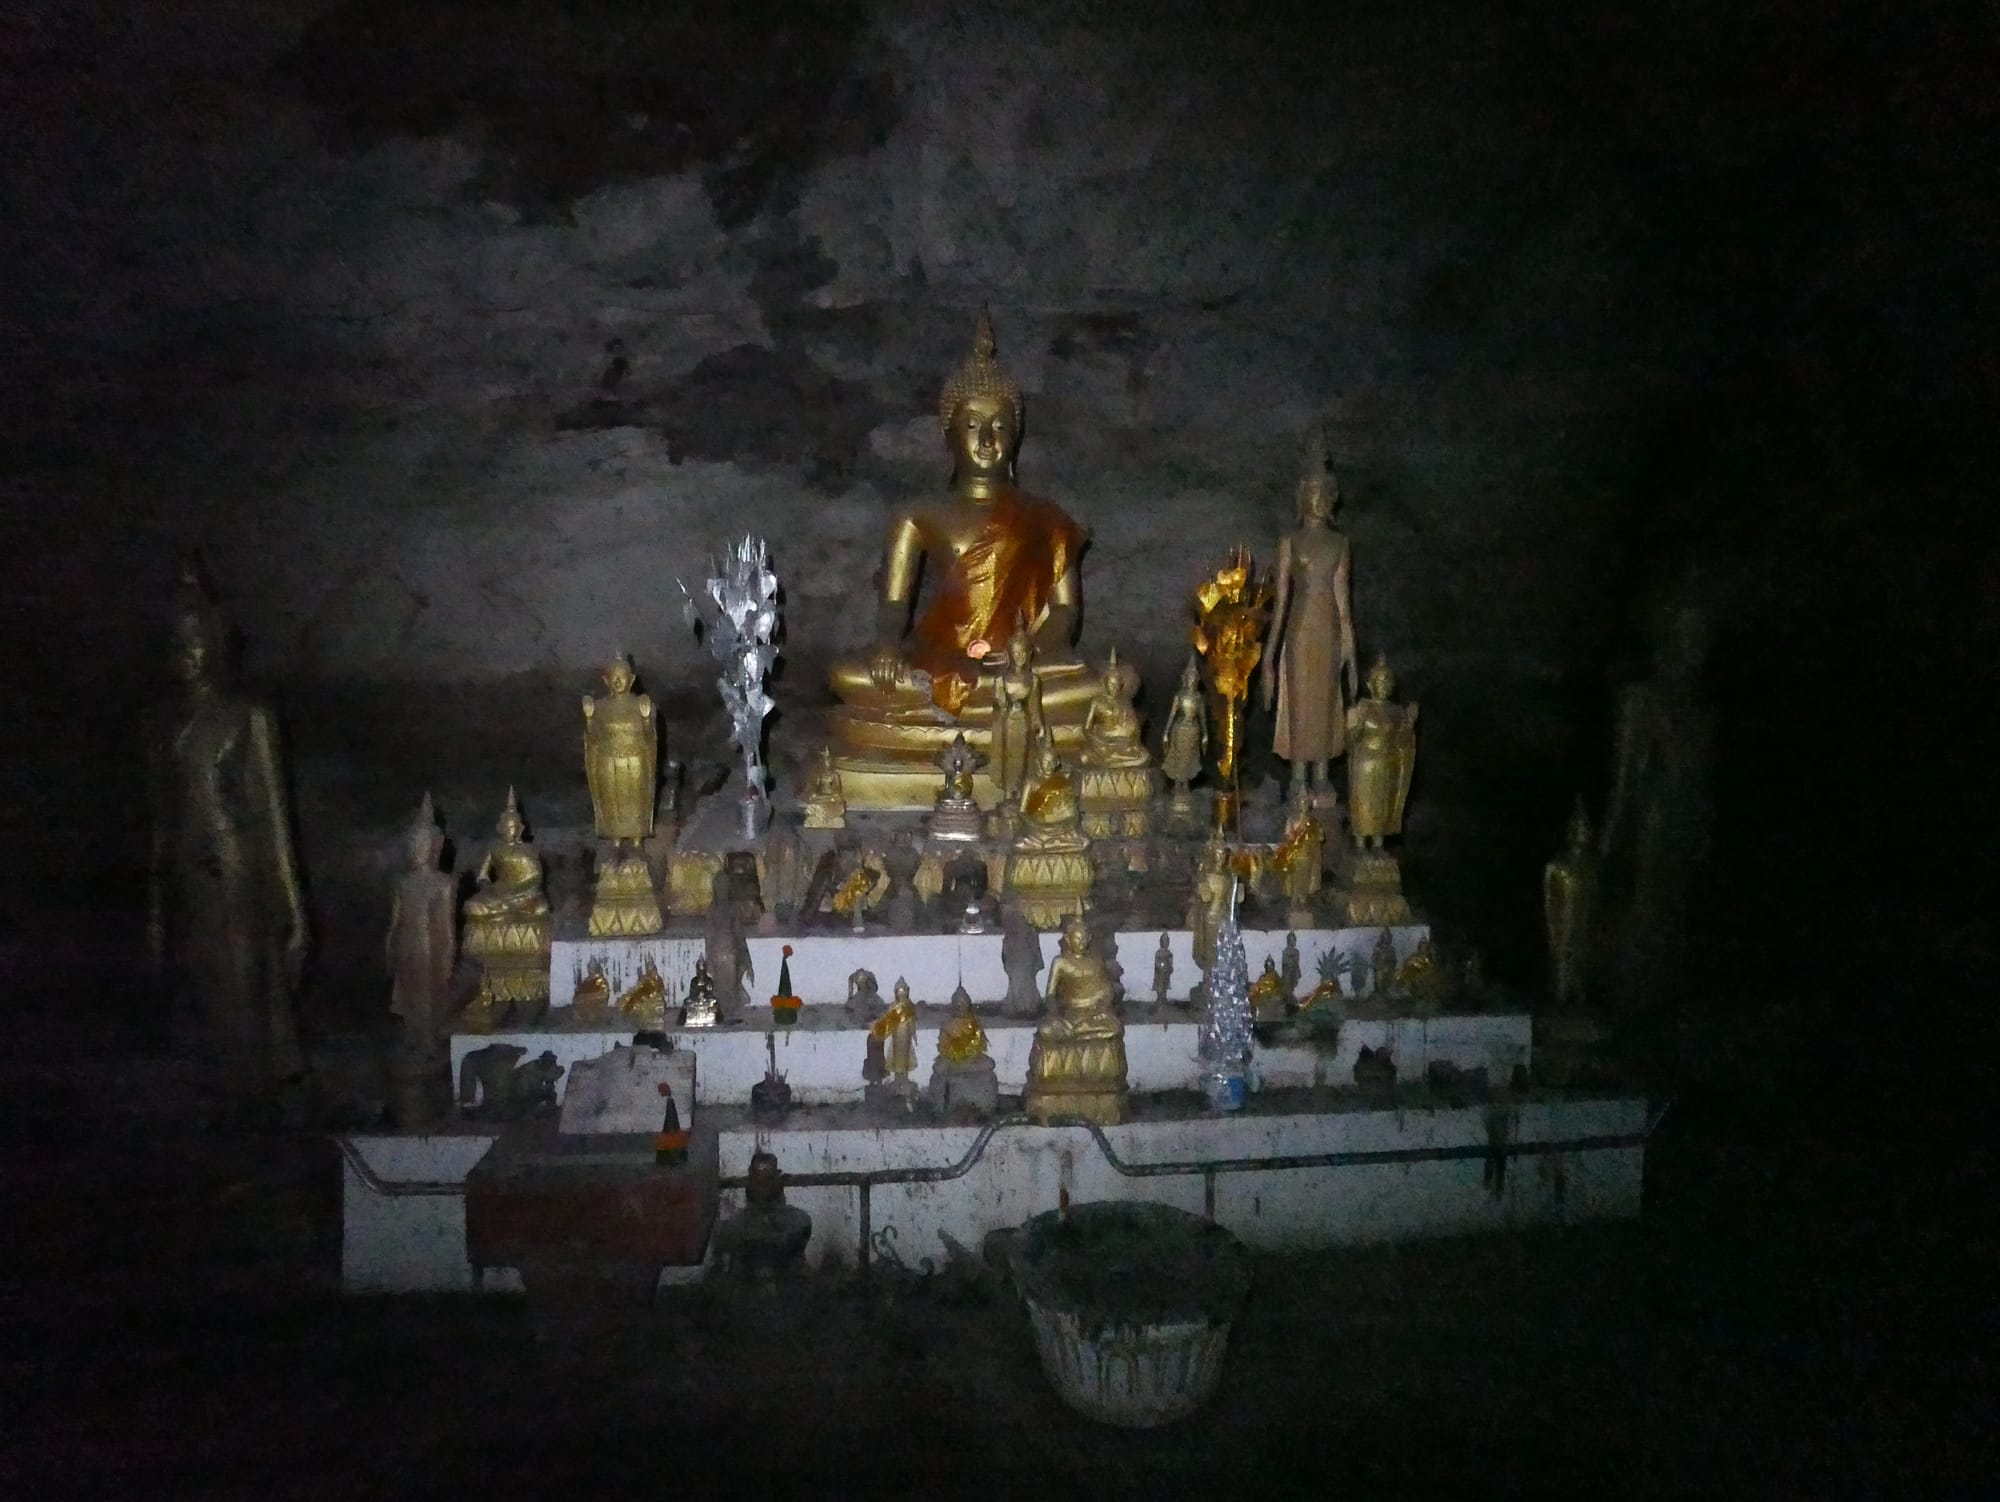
x=1225 y=1035
x=737 y=614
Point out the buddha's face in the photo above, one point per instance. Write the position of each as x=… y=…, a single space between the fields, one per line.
x=426 y=845
x=510 y=826
x=1317 y=498
x=618 y=677
x=983 y=438
x=190 y=662
x=1381 y=682
x=1076 y=937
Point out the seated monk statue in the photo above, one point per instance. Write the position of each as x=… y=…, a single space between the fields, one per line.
x=996 y=556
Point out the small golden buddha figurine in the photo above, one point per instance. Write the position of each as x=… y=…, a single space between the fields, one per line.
x=1300 y=857
x=896 y=1030
x=422 y=951
x=1049 y=807
x=1111 y=725
x=1268 y=994
x=1382 y=757
x=1117 y=781
x=1230 y=612
x=1421 y=979
x=1209 y=903
x=850 y=898
x=645 y=1004
x=591 y=1001
x=964 y=1083
x=1076 y=1068
x=826 y=805
x=1312 y=629
x=702 y=1007
x=1569 y=909
x=1184 y=742
x=1049 y=869
x=225 y=919
x=955 y=814
x=996 y=556
x=1017 y=714
x=507 y=924
x=962 y=1038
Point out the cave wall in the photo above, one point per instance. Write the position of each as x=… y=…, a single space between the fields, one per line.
x=455 y=333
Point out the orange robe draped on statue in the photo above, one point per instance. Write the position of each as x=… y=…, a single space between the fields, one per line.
x=1025 y=546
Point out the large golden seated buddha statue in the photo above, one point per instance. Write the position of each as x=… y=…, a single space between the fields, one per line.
x=998 y=559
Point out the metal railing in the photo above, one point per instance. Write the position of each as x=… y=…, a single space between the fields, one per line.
x=1495 y=1152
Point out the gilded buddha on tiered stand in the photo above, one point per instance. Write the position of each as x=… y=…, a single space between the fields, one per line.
x=1118 y=782
x=508 y=929
x=1049 y=869
x=1076 y=1069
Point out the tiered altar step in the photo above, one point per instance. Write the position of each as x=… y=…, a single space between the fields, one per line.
x=1437 y=1170
x=934 y=964
x=821 y=1054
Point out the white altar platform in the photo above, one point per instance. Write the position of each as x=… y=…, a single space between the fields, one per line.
x=1439 y=1176
x=1431 y=1171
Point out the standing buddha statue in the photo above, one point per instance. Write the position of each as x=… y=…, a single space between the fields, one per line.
x=1000 y=559
x=1184 y=741
x=1018 y=715
x=1382 y=762
x=422 y=951
x=896 y=1029
x=621 y=752
x=226 y=918
x=1381 y=758
x=1312 y=630
x=1569 y=909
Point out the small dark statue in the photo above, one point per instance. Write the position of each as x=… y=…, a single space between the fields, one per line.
x=495 y=1085
x=769 y=1237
